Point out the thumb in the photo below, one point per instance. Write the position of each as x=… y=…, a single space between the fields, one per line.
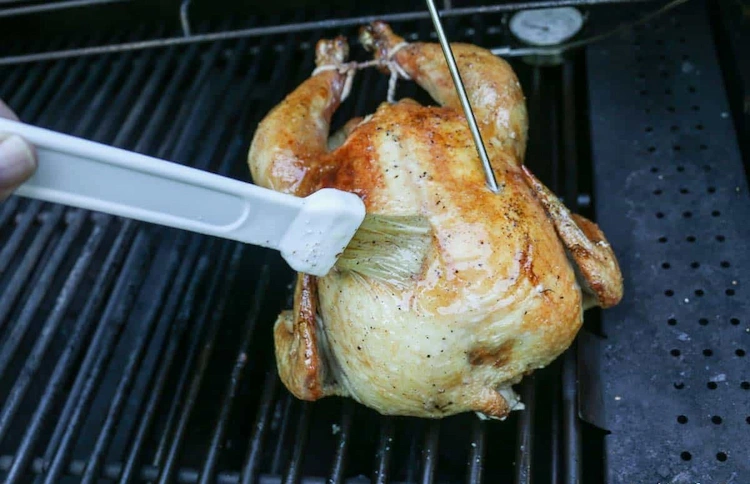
x=17 y=163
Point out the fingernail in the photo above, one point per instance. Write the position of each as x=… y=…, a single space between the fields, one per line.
x=17 y=162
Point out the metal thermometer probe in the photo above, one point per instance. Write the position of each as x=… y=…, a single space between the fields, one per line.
x=461 y=90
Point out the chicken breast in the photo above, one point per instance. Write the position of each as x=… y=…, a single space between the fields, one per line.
x=507 y=278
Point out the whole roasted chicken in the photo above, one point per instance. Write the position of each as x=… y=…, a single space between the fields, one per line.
x=507 y=277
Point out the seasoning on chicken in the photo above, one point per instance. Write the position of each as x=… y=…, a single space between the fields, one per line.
x=506 y=279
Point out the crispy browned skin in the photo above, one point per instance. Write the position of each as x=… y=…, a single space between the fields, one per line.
x=498 y=296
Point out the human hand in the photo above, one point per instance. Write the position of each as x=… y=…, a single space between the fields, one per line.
x=18 y=159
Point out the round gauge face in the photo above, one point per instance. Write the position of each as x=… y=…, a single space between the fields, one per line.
x=548 y=26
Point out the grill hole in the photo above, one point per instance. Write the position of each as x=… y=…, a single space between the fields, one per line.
x=745 y=385
x=747 y=419
x=665 y=265
x=695 y=265
x=680 y=386
x=729 y=292
x=682 y=419
x=699 y=127
x=712 y=385
x=657 y=192
x=685 y=455
x=721 y=238
x=711 y=189
x=687 y=214
x=721 y=457
x=699 y=292
x=716 y=419
x=725 y=264
x=739 y=352
x=662 y=240
x=703 y=322
x=690 y=238
x=672 y=321
x=678 y=148
x=684 y=191
x=674 y=129
x=652 y=149
x=675 y=352
x=659 y=215
x=649 y=129
x=671 y=109
x=707 y=352
x=669 y=293
x=706 y=168
x=703 y=147
x=716 y=213
x=734 y=321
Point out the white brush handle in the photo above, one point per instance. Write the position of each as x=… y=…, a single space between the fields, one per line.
x=309 y=232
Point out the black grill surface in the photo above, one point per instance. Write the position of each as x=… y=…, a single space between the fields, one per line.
x=129 y=352
x=671 y=193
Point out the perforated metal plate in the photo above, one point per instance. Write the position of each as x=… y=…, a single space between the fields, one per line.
x=671 y=194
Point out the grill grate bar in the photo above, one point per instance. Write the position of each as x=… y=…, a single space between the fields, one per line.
x=382 y=469
x=571 y=422
x=525 y=433
x=342 y=448
x=284 y=408
x=476 y=454
x=430 y=451
x=294 y=469
x=209 y=467
x=203 y=359
x=7 y=210
x=23 y=224
x=262 y=422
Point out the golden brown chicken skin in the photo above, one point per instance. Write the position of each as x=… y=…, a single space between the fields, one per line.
x=498 y=295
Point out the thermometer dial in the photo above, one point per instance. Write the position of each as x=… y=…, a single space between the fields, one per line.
x=548 y=26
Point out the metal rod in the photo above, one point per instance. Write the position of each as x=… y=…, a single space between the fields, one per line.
x=47 y=7
x=430 y=452
x=185 y=17
x=252 y=464
x=297 y=27
x=342 y=448
x=463 y=97
x=525 y=446
x=381 y=473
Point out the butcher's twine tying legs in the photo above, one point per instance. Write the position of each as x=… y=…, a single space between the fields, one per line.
x=350 y=69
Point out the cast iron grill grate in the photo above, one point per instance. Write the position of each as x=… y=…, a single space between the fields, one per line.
x=134 y=352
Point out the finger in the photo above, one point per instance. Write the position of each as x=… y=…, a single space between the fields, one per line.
x=6 y=112
x=17 y=163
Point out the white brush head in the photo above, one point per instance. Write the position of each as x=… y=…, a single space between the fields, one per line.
x=321 y=232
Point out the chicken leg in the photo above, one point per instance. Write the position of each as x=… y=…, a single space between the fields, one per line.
x=286 y=155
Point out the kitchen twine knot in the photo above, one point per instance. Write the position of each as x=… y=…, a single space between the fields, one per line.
x=350 y=68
